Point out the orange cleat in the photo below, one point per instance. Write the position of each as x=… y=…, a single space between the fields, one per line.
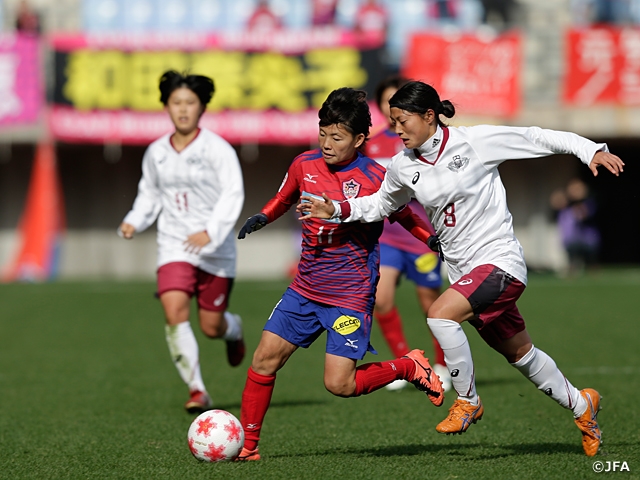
x=198 y=402
x=588 y=422
x=425 y=379
x=461 y=415
x=248 y=455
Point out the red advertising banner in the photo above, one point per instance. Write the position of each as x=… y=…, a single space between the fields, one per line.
x=603 y=66
x=478 y=75
x=269 y=86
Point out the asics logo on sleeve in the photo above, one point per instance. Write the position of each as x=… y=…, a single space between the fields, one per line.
x=466 y=281
x=415 y=178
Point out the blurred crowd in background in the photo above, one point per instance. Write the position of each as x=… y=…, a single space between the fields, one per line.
x=396 y=18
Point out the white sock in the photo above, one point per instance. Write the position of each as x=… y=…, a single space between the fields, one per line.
x=234 y=326
x=183 y=348
x=540 y=368
x=457 y=356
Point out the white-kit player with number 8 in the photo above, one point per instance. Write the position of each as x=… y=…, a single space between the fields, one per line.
x=453 y=174
x=192 y=183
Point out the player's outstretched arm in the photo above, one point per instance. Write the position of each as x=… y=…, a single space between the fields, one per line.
x=253 y=224
x=310 y=207
x=611 y=162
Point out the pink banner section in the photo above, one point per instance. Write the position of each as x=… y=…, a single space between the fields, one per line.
x=139 y=128
x=20 y=87
x=479 y=75
x=288 y=41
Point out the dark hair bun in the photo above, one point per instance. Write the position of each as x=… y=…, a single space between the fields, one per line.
x=171 y=80
x=448 y=110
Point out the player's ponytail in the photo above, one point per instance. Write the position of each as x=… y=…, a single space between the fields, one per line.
x=419 y=97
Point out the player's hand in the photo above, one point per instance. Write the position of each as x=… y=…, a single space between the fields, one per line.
x=433 y=242
x=310 y=207
x=195 y=242
x=253 y=224
x=126 y=230
x=611 y=162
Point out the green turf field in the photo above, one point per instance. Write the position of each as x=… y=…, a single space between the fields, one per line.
x=87 y=390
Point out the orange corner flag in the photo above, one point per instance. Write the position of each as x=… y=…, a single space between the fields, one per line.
x=42 y=222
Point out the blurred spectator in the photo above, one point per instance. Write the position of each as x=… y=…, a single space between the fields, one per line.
x=371 y=17
x=324 y=12
x=499 y=14
x=589 y=12
x=442 y=9
x=27 y=20
x=263 y=18
x=576 y=211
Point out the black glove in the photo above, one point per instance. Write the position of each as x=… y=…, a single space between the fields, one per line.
x=433 y=242
x=253 y=224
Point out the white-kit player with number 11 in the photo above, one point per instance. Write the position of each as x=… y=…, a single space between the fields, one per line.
x=192 y=183
x=453 y=174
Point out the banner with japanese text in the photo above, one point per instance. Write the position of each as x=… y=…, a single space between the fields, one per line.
x=20 y=83
x=479 y=75
x=269 y=86
x=603 y=66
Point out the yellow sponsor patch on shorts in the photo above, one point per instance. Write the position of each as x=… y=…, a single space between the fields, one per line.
x=344 y=325
x=426 y=263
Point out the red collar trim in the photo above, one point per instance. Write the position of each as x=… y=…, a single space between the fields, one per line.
x=445 y=138
x=190 y=142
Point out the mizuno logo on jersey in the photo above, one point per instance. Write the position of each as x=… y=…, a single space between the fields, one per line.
x=458 y=163
x=350 y=189
x=309 y=178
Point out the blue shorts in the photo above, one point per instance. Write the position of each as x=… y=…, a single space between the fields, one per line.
x=423 y=270
x=301 y=321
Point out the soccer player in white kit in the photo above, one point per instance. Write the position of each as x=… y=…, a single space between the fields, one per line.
x=192 y=183
x=453 y=173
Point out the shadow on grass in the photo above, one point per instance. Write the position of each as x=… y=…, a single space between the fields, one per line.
x=487 y=382
x=468 y=451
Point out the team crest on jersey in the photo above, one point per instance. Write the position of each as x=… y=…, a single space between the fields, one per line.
x=351 y=188
x=458 y=163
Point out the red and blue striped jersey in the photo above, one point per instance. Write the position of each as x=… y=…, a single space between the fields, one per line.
x=339 y=261
x=382 y=147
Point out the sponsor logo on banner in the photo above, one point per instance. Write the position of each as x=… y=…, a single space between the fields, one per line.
x=344 y=325
x=350 y=189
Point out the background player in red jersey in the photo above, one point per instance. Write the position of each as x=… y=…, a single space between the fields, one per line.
x=401 y=253
x=334 y=288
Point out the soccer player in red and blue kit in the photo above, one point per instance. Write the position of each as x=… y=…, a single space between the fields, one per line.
x=334 y=289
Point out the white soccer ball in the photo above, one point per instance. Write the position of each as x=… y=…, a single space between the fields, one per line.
x=216 y=436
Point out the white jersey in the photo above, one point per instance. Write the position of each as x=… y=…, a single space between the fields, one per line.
x=200 y=188
x=455 y=177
